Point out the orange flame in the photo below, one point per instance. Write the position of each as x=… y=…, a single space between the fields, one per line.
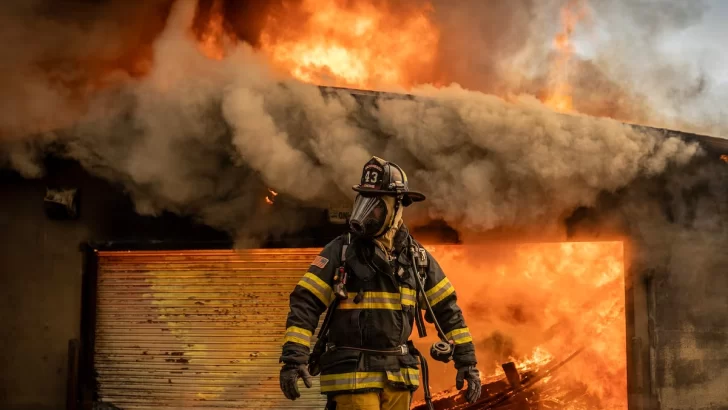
x=724 y=158
x=351 y=44
x=559 y=97
x=535 y=304
x=214 y=40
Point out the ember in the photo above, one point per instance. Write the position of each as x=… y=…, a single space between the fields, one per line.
x=270 y=199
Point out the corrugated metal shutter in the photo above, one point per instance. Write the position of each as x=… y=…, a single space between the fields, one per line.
x=196 y=329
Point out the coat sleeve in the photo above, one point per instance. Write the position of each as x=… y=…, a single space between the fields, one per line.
x=443 y=299
x=308 y=300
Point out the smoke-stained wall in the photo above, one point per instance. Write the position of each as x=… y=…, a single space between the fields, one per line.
x=677 y=228
x=687 y=287
x=41 y=267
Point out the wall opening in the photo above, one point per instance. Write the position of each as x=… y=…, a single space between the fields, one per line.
x=535 y=304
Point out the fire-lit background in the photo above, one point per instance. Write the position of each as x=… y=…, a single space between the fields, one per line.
x=590 y=56
x=535 y=304
x=513 y=127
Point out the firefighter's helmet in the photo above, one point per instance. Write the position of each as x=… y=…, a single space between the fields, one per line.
x=380 y=177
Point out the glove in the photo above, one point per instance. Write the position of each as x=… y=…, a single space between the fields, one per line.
x=472 y=375
x=289 y=378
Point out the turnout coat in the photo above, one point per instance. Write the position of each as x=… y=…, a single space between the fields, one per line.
x=378 y=315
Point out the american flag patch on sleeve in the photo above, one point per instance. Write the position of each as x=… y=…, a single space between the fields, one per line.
x=320 y=262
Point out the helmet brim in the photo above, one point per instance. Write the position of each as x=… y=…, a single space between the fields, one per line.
x=409 y=196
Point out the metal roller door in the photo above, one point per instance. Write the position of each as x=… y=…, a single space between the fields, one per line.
x=196 y=329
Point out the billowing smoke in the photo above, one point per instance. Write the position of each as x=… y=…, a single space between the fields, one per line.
x=205 y=138
x=621 y=66
x=55 y=54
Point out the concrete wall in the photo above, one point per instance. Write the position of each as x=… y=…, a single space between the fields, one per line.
x=40 y=276
x=689 y=294
x=679 y=225
x=691 y=332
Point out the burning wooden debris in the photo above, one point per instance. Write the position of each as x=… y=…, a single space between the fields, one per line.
x=519 y=391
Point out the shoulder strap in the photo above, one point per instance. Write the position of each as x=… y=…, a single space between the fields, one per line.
x=340 y=276
x=347 y=241
x=418 y=256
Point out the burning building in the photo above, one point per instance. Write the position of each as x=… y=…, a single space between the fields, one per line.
x=200 y=180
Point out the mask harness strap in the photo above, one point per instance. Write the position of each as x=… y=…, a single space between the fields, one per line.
x=441 y=350
x=340 y=293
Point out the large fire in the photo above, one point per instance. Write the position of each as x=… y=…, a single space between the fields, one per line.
x=532 y=304
x=535 y=304
x=369 y=44
x=214 y=40
x=352 y=44
x=559 y=95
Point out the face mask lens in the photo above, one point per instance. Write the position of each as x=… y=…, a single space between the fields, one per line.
x=368 y=216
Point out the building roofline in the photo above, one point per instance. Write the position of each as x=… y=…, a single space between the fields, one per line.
x=711 y=144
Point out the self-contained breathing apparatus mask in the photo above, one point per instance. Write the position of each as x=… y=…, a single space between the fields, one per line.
x=372 y=215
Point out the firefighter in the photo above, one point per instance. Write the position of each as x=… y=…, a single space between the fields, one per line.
x=369 y=362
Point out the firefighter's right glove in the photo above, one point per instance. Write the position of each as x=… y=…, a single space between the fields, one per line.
x=472 y=375
x=290 y=373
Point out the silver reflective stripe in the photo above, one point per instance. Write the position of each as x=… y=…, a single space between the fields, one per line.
x=380 y=300
x=337 y=382
x=409 y=298
x=317 y=286
x=374 y=300
x=298 y=335
x=407 y=376
x=438 y=295
x=352 y=381
x=460 y=336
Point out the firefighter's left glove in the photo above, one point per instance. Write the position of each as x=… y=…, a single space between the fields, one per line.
x=290 y=373
x=472 y=375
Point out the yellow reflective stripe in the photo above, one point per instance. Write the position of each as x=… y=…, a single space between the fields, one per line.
x=318 y=287
x=410 y=377
x=460 y=336
x=370 y=305
x=298 y=335
x=409 y=296
x=352 y=381
x=373 y=300
x=408 y=291
x=444 y=282
x=440 y=291
x=300 y=330
x=382 y=295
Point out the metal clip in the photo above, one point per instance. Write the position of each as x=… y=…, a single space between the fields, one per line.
x=340 y=285
x=422 y=260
